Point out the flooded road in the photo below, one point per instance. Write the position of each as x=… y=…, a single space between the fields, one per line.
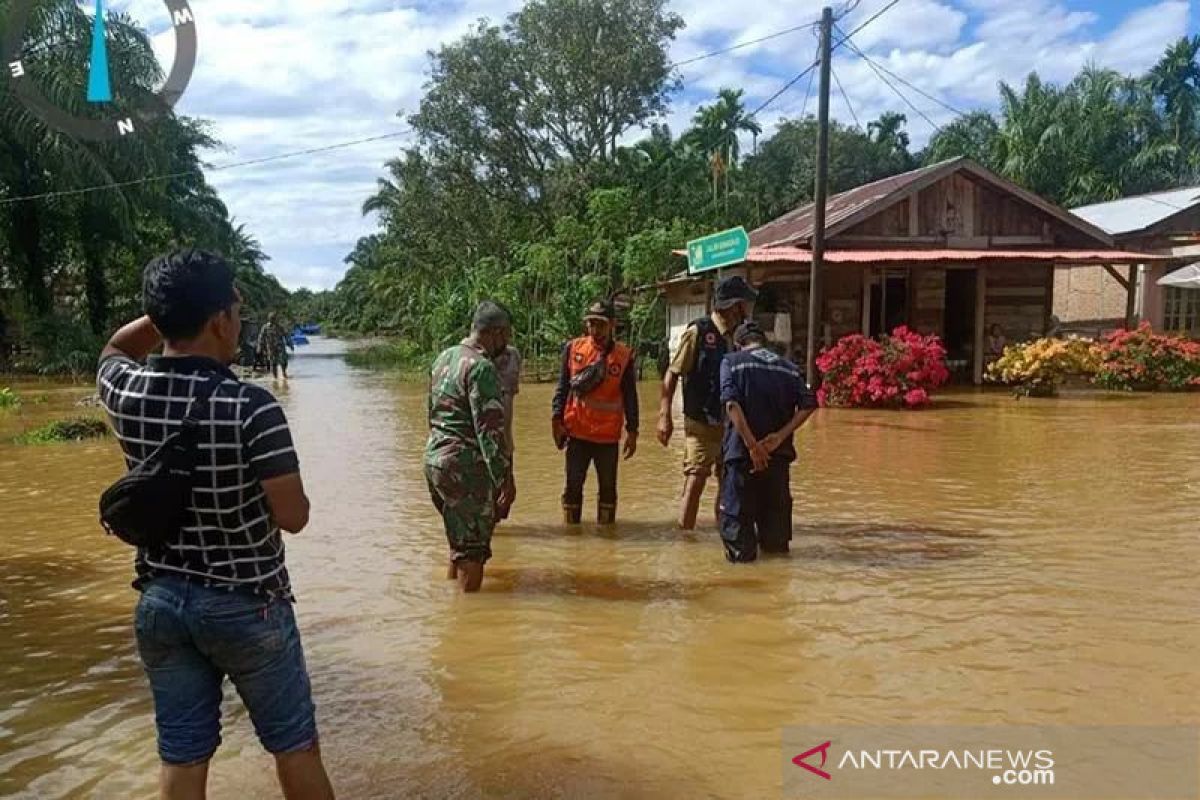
x=986 y=562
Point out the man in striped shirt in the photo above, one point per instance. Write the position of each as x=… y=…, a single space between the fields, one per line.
x=216 y=600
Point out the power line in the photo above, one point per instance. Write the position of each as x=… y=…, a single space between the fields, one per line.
x=901 y=79
x=738 y=46
x=835 y=46
x=903 y=97
x=874 y=17
x=845 y=96
x=786 y=86
x=812 y=76
x=218 y=168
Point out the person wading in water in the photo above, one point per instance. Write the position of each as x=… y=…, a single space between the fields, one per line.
x=698 y=362
x=597 y=394
x=766 y=399
x=216 y=599
x=273 y=345
x=467 y=462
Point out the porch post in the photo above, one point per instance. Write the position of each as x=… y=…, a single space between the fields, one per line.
x=1131 y=297
x=868 y=273
x=980 y=313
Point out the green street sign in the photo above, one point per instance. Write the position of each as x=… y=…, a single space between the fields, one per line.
x=718 y=250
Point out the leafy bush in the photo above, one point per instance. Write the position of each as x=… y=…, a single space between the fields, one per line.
x=9 y=398
x=75 y=429
x=60 y=346
x=1142 y=360
x=1038 y=368
x=900 y=370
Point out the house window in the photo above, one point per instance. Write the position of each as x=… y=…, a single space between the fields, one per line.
x=1181 y=309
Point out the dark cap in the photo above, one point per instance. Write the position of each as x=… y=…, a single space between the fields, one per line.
x=601 y=309
x=732 y=291
x=746 y=331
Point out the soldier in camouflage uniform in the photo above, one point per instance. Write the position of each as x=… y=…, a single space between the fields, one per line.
x=273 y=345
x=467 y=461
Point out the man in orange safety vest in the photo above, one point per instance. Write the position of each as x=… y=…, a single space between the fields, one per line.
x=596 y=398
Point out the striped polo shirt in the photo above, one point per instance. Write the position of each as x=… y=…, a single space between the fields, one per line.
x=244 y=439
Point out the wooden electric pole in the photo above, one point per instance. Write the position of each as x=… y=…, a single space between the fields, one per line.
x=820 y=193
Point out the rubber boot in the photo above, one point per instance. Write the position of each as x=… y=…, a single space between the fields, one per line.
x=572 y=515
x=606 y=514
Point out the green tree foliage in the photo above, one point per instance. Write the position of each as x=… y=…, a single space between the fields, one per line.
x=524 y=186
x=1100 y=137
x=77 y=258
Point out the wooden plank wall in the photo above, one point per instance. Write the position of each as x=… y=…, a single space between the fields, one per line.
x=928 y=296
x=956 y=193
x=843 y=300
x=1017 y=298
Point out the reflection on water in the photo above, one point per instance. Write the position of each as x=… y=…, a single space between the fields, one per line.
x=989 y=561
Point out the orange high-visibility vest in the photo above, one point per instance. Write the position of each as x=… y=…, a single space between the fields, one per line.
x=600 y=415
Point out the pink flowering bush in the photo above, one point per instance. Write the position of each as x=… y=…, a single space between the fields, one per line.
x=900 y=370
x=1142 y=360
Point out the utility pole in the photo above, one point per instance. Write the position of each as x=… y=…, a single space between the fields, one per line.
x=819 y=196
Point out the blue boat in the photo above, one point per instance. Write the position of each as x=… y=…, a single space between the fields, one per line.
x=310 y=329
x=298 y=337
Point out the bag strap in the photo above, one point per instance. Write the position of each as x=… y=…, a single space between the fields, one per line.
x=193 y=418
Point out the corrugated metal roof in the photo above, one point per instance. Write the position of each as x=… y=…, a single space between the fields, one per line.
x=1133 y=214
x=760 y=255
x=797 y=225
x=848 y=208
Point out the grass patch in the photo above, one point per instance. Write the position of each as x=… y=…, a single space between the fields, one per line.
x=8 y=398
x=74 y=429
x=400 y=356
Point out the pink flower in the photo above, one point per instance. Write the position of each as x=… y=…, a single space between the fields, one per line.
x=916 y=397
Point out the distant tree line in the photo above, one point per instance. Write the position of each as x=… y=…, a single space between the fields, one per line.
x=520 y=185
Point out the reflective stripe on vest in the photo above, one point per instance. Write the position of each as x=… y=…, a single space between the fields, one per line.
x=600 y=416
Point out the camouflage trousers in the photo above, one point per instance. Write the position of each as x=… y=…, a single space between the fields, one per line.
x=464 y=496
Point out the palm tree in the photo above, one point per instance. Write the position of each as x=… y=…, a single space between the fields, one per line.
x=716 y=131
x=1175 y=79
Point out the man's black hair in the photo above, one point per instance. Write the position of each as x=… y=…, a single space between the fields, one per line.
x=182 y=290
x=490 y=315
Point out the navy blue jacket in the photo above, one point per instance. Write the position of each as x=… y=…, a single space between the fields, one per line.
x=769 y=389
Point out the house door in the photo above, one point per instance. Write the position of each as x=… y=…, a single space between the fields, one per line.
x=960 y=319
x=889 y=302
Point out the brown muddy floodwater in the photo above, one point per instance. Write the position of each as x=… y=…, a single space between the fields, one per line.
x=985 y=562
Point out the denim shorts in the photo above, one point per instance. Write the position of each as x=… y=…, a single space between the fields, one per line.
x=190 y=637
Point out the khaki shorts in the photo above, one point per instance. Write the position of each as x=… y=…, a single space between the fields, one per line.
x=701 y=447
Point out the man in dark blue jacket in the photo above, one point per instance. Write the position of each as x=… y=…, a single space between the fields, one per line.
x=766 y=400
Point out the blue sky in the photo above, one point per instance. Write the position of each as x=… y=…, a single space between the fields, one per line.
x=279 y=76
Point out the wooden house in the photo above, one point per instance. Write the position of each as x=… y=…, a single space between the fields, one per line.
x=950 y=249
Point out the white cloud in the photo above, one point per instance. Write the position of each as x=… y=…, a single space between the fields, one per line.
x=276 y=77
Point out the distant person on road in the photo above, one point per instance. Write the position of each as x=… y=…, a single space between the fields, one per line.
x=216 y=600
x=467 y=461
x=697 y=362
x=595 y=399
x=508 y=364
x=767 y=400
x=273 y=346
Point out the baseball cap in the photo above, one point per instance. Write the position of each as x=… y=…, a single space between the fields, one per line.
x=601 y=309
x=732 y=291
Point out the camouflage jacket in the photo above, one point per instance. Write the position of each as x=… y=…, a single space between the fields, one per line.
x=272 y=340
x=466 y=414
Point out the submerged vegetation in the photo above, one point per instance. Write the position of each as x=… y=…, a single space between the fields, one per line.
x=73 y=429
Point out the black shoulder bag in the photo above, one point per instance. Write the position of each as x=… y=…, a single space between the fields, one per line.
x=149 y=504
x=588 y=379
